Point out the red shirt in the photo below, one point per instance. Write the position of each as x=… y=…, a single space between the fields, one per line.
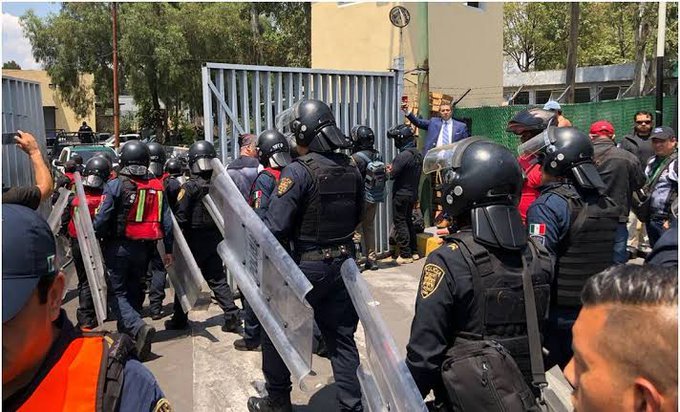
x=532 y=181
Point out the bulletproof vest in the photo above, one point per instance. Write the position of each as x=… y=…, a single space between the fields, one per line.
x=139 y=209
x=588 y=248
x=376 y=176
x=94 y=199
x=497 y=309
x=330 y=213
x=199 y=217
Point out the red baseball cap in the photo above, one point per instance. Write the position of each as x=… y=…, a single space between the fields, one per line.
x=601 y=127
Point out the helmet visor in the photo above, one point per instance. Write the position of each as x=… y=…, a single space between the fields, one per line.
x=136 y=170
x=280 y=159
x=202 y=165
x=93 y=181
x=156 y=168
x=447 y=157
x=537 y=143
x=283 y=120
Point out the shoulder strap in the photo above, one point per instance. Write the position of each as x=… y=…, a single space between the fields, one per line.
x=535 y=351
x=659 y=170
x=119 y=348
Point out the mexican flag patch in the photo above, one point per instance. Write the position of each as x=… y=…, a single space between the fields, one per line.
x=537 y=229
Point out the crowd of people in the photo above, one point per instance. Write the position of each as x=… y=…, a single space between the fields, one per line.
x=533 y=265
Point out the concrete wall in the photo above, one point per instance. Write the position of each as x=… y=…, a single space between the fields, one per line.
x=465 y=45
x=65 y=117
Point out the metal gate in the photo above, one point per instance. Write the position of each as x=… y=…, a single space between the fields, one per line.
x=246 y=99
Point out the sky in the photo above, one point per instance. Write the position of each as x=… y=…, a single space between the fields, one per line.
x=14 y=45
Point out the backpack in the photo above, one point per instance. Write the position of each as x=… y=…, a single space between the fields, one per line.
x=376 y=178
x=480 y=374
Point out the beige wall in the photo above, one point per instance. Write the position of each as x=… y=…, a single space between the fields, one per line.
x=65 y=118
x=465 y=45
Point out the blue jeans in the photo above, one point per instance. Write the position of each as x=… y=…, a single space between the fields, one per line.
x=620 y=243
x=655 y=229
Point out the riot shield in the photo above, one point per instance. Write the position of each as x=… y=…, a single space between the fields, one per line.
x=557 y=395
x=92 y=254
x=185 y=275
x=62 y=243
x=386 y=383
x=54 y=220
x=268 y=278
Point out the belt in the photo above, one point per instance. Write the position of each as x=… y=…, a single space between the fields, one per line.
x=327 y=253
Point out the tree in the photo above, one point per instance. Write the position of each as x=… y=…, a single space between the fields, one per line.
x=12 y=65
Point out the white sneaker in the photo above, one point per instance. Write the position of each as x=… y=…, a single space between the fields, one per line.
x=403 y=260
x=415 y=256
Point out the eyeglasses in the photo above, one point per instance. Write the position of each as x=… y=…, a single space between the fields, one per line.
x=643 y=122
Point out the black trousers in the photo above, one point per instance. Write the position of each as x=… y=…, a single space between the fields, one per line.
x=405 y=234
x=157 y=287
x=335 y=315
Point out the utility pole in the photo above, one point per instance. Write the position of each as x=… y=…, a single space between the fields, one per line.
x=423 y=64
x=572 y=51
x=660 y=46
x=116 y=116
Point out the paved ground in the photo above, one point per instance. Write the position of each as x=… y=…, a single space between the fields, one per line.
x=200 y=370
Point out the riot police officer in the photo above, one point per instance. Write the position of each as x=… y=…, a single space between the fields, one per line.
x=481 y=186
x=320 y=228
x=203 y=235
x=575 y=222
x=157 y=270
x=95 y=176
x=372 y=168
x=273 y=152
x=131 y=218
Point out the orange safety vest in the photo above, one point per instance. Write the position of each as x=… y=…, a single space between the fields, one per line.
x=75 y=382
x=93 y=202
x=143 y=220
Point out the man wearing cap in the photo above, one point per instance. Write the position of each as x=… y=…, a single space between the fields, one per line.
x=244 y=169
x=622 y=175
x=555 y=107
x=662 y=181
x=48 y=364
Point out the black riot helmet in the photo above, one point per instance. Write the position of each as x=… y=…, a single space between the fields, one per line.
x=565 y=152
x=402 y=135
x=77 y=158
x=70 y=166
x=173 y=166
x=530 y=122
x=312 y=124
x=96 y=173
x=200 y=155
x=481 y=180
x=273 y=149
x=134 y=158
x=362 y=137
x=156 y=158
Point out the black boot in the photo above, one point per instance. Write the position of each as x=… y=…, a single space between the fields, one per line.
x=231 y=324
x=143 y=341
x=371 y=264
x=244 y=345
x=175 y=323
x=268 y=404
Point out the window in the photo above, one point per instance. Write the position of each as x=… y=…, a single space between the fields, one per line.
x=521 y=98
x=582 y=95
x=474 y=4
x=609 y=93
x=542 y=96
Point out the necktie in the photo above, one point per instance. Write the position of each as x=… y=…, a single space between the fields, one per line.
x=445 y=134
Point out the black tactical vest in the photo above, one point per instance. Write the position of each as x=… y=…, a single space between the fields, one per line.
x=588 y=248
x=330 y=214
x=199 y=217
x=497 y=310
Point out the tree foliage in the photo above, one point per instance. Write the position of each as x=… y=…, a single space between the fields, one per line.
x=535 y=35
x=162 y=47
x=12 y=65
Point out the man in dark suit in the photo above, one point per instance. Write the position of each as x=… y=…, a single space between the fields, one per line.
x=440 y=131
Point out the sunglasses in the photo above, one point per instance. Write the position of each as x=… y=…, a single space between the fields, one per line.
x=643 y=122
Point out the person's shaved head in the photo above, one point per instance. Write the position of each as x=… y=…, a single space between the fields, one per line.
x=625 y=341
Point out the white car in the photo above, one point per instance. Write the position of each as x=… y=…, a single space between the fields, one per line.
x=86 y=152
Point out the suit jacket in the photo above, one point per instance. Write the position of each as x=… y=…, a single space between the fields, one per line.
x=433 y=126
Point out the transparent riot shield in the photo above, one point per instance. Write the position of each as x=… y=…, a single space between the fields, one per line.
x=54 y=219
x=62 y=242
x=386 y=383
x=557 y=395
x=185 y=275
x=92 y=254
x=268 y=278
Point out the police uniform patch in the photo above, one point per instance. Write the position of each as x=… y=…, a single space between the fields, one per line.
x=284 y=185
x=432 y=277
x=180 y=195
x=163 y=405
x=537 y=232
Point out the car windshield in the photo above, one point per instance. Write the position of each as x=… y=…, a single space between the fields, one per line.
x=89 y=153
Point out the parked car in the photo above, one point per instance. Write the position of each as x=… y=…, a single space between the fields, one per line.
x=86 y=152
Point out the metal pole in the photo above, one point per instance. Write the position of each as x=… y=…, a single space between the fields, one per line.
x=660 y=46
x=572 y=51
x=116 y=114
x=421 y=25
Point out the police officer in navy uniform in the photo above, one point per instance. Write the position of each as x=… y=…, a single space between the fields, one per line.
x=317 y=205
x=171 y=187
x=131 y=218
x=95 y=176
x=575 y=221
x=273 y=152
x=481 y=188
x=202 y=236
x=374 y=187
